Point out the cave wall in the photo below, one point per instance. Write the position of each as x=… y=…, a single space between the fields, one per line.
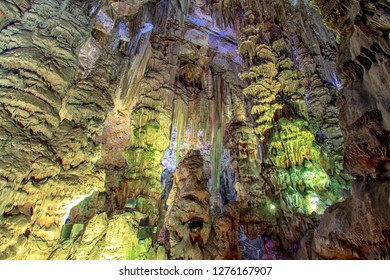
x=233 y=128
x=50 y=120
x=363 y=63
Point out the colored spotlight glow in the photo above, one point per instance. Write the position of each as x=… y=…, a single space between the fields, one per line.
x=313 y=200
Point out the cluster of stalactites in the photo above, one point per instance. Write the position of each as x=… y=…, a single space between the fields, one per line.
x=238 y=13
x=199 y=124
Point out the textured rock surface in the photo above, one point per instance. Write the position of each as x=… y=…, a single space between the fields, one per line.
x=357 y=228
x=364 y=54
x=209 y=129
x=188 y=201
x=363 y=27
x=48 y=157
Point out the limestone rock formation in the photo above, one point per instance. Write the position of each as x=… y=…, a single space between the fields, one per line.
x=188 y=216
x=357 y=228
x=207 y=129
x=363 y=119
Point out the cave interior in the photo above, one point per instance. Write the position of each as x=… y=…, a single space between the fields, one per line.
x=194 y=129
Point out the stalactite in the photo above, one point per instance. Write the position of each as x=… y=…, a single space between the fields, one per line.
x=204 y=117
x=194 y=120
x=181 y=8
x=217 y=140
x=179 y=122
x=138 y=56
x=162 y=14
